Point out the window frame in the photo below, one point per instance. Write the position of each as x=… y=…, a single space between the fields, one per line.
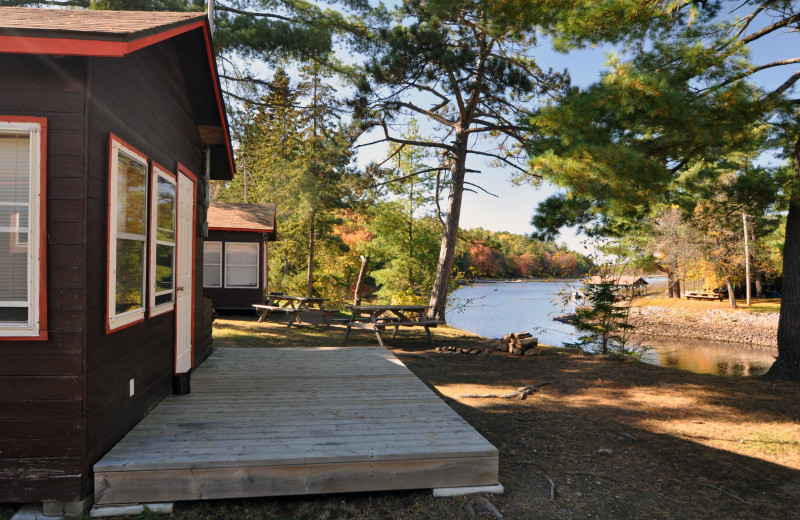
x=119 y=321
x=36 y=328
x=221 y=258
x=257 y=266
x=158 y=171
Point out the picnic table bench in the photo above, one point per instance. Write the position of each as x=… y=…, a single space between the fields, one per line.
x=704 y=296
x=377 y=317
x=292 y=306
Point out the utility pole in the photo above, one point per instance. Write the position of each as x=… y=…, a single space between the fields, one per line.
x=746 y=258
x=245 y=179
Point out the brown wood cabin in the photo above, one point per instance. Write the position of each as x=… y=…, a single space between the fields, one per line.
x=111 y=124
x=236 y=253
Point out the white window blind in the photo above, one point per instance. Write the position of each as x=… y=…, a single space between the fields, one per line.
x=19 y=222
x=212 y=264
x=241 y=264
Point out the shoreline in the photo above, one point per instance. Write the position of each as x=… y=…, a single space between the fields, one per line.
x=724 y=326
x=710 y=325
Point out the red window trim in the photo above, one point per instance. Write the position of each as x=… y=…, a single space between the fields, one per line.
x=112 y=139
x=43 y=331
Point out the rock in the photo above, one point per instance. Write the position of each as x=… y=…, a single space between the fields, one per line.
x=626 y=437
x=605 y=451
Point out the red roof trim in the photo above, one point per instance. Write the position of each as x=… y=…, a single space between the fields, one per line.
x=118 y=49
x=86 y=47
x=243 y=230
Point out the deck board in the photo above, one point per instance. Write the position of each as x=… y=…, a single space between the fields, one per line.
x=264 y=422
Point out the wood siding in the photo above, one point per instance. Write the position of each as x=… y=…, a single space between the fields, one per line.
x=42 y=425
x=229 y=298
x=142 y=99
x=65 y=402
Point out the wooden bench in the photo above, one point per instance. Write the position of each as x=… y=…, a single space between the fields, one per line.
x=275 y=309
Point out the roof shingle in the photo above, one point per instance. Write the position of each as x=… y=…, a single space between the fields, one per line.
x=116 y=25
x=234 y=216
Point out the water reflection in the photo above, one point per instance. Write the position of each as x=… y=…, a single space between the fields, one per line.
x=709 y=357
x=492 y=310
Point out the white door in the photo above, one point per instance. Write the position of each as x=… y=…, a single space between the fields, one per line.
x=184 y=301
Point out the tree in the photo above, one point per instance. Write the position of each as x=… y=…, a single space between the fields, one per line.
x=295 y=152
x=681 y=96
x=464 y=67
x=603 y=318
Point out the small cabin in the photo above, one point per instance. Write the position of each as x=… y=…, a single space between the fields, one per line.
x=111 y=125
x=634 y=285
x=236 y=254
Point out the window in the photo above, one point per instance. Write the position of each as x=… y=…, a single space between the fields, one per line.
x=241 y=264
x=162 y=241
x=127 y=236
x=212 y=264
x=22 y=289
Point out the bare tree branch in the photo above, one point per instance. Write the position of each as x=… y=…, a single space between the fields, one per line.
x=481 y=188
x=404 y=177
x=260 y=15
x=770 y=28
x=500 y=158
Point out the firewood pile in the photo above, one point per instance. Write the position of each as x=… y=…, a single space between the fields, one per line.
x=519 y=343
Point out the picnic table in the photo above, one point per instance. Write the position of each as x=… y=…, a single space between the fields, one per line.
x=704 y=295
x=378 y=317
x=292 y=306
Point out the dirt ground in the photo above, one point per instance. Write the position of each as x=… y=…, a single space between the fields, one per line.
x=604 y=439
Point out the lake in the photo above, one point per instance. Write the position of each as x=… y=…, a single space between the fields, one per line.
x=493 y=310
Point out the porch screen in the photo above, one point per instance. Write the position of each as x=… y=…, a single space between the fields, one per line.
x=241 y=264
x=19 y=258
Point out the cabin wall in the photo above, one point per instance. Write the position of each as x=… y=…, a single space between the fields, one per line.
x=142 y=99
x=42 y=413
x=234 y=298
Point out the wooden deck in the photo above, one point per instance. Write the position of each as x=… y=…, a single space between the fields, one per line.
x=268 y=422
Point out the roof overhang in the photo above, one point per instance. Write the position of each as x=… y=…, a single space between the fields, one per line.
x=60 y=42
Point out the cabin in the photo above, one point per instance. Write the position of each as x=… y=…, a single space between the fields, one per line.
x=635 y=285
x=111 y=125
x=236 y=254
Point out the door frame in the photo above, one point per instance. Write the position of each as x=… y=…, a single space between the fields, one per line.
x=184 y=171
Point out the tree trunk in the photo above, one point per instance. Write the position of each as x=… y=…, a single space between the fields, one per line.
x=731 y=296
x=447 y=250
x=310 y=277
x=759 y=283
x=674 y=284
x=673 y=280
x=360 y=282
x=787 y=364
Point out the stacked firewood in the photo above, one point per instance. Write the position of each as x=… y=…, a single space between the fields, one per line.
x=519 y=343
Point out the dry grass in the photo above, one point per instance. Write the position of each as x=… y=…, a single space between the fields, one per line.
x=682 y=445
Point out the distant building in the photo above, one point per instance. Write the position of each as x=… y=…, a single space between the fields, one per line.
x=236 y=253
x=634 y=284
